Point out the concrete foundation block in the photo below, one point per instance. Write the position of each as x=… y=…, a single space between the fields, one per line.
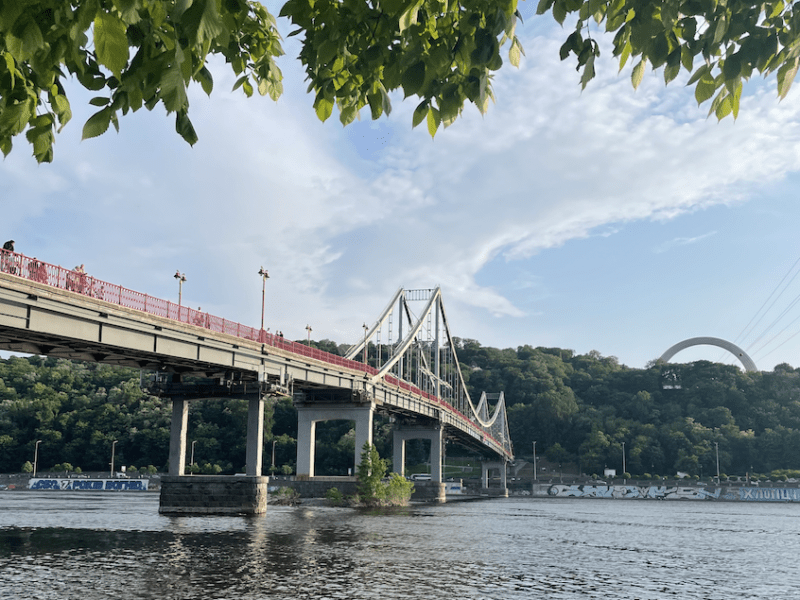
x=213 y=494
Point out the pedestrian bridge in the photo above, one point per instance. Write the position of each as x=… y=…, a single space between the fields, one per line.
x=405 y=366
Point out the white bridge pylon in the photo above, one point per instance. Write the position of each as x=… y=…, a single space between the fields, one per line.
x=418 y=348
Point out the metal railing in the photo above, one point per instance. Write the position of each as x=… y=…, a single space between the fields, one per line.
x=79 y=282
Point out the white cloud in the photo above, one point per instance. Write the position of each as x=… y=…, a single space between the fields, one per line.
x=341 y=218
x=666 y=246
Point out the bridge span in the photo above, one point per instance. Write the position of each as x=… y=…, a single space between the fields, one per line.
x=185 y=355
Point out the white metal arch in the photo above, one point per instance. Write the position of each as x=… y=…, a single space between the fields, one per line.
x=740 y=354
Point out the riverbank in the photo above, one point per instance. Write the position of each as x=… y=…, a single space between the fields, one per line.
x=733 y=493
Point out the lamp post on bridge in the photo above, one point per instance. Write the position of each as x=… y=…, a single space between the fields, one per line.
x=36 y=456
x=113 y=447
x=534 y=462
x=264 y=276
x=181 y=279
x=716 y=445
x=309 y=330
x=365 y=343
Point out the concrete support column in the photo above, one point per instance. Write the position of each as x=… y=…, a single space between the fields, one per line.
x=434 y=434
x=255 y=436
x=177 y=437
x=307 y=418
x=306 y=436
x=363 y=431
x=398 y=454
x=486 y=466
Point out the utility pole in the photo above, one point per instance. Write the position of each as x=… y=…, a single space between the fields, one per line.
x=113 y=447
x=36 y=456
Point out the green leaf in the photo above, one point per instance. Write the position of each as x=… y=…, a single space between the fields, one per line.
x=204 y=77
x=420 y=113
x=387 y=102
x=99 y=101
x=737 y=95
x=14 y=118
x=625 y=54
x=559 y=11
x=701 y=72
x=786 y=75
x=433 y=121
x=185 y=128
x=588 y=72
x=111 y=42
x=202 y=20
x=705 y=89
x=724 y=107
x=129 y=9
x=97 y=124
x=413 y=79
x=409 y=16
x=543 y=6
x=173 y=87
x=514 y=54
x=324 y=108
x=638 y=74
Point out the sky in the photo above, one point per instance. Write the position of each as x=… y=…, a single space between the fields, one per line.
x=609 y=219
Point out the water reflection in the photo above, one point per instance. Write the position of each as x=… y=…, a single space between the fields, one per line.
x=57 y=546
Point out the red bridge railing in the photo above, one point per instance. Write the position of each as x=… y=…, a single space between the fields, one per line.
x=79 y=282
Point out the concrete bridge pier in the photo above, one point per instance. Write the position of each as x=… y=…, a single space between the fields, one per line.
x=183 y=494
x=486 y=467
x=433 y=490
x=308 y=415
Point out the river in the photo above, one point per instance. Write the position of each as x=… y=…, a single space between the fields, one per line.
x=102 y=545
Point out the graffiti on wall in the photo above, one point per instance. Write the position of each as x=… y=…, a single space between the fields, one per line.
x=121 y=485
x=662 y=492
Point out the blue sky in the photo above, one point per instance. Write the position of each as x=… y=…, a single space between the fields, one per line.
x=613 y=220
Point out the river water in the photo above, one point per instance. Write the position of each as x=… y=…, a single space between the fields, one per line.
x=100 y=545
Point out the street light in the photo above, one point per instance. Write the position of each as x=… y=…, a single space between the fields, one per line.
x=273 y=457
x=716 y=444
x=365 y=342
x=264 y=276
x=534 y=461
x=181 y=278
x=308 y=329
x=624 y=470
x=36 y=456
x=191 y=460
x=113 y=447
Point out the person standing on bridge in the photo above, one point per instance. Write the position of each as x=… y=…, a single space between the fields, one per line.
x=8 y=260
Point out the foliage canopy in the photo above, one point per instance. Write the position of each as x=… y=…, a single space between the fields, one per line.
x=136 y=53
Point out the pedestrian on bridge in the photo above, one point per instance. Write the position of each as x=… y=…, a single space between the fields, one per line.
x=9 y=264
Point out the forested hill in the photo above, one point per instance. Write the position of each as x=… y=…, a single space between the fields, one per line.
x=582 y=408
x=578 y=408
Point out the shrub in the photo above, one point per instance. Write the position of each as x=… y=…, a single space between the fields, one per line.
x=398 y=490
x=334 y=497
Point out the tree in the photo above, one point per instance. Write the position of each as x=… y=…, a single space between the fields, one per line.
x=370 y=471
x=139 y=53
x=720 y=43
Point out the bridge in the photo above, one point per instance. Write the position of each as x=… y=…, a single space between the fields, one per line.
x=413 y=374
